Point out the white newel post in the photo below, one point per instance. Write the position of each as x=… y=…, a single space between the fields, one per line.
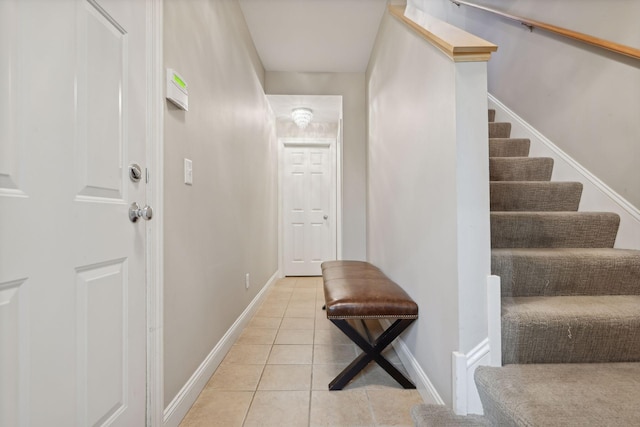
x=476 y=340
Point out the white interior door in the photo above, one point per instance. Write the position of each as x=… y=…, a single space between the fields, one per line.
x=309 y=206
x=72 y=266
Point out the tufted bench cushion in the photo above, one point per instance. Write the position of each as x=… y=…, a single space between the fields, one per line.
x=359 y=290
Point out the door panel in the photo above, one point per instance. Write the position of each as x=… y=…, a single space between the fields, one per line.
x=12 y=351
x=309 y=209
x=317 y=235
x=72 y=265
x=13 y=280
x=102 y=96
x=102 y=356
x=297 y=241
x=9 y=149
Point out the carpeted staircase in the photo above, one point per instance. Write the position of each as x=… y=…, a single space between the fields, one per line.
x=570 y=304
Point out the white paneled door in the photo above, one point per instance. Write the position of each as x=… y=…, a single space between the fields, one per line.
x=73 y=117
x=309 y=206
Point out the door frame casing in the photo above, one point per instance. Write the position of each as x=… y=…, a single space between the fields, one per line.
x=337 y=163
x=154 y=228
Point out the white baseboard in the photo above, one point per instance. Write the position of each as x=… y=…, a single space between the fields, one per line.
x=466 y=399
x=179 y=406
x=494 y=318
x=596 y=195
x=423 y=384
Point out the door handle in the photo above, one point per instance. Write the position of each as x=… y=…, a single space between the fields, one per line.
x=135 y=212
x=326 y=217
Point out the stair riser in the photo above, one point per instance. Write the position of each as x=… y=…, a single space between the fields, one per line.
x=499 y=130
x=524 y=275
x=571 y=340
x=509 y=147
x=553 y=230
x=535 y=196
x=520 y=168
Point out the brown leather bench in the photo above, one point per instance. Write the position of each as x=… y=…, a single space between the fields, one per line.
x=357 y=290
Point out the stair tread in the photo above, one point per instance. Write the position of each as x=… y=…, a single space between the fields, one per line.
x=600 y=252
x=521 y=159
x=602 y=394
x=574 y=308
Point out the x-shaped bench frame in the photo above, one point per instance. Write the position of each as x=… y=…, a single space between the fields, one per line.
x=372 y=352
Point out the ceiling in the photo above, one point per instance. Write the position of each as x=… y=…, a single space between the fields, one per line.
x=334 y=36
x=314 y=35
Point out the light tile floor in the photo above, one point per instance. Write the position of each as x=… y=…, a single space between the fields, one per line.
x=277 y=373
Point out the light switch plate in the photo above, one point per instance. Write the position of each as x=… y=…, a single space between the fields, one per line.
x=188 y=172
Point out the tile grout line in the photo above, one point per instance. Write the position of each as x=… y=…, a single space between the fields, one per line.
x=263 y=366
x=313 y=358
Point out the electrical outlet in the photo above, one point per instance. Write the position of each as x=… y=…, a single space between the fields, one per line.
x=247 y=282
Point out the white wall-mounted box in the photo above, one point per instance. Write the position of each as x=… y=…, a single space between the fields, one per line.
x=177 y=90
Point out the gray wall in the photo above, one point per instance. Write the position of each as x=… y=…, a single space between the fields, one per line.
x=225 y=225
x=585 y=100
x=352 y=88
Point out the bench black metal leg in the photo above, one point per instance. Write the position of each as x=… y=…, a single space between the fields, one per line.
x=372 y=351
x=349 y=372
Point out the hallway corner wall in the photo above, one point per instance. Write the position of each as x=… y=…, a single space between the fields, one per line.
x=225 y=224
x=352 y=88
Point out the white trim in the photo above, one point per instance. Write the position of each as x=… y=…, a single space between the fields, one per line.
x=339 y=190
x=459 y=382
x=154 y=228
x=596 y=195
x=494 y=318
x=478 y=353
x=337 y=161
x=181 y=403
x=465 y=396
x=464 y=392
x=423 y=384
x=280 y=211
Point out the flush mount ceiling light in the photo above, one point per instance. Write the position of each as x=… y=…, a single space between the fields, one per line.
x=301 y=116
